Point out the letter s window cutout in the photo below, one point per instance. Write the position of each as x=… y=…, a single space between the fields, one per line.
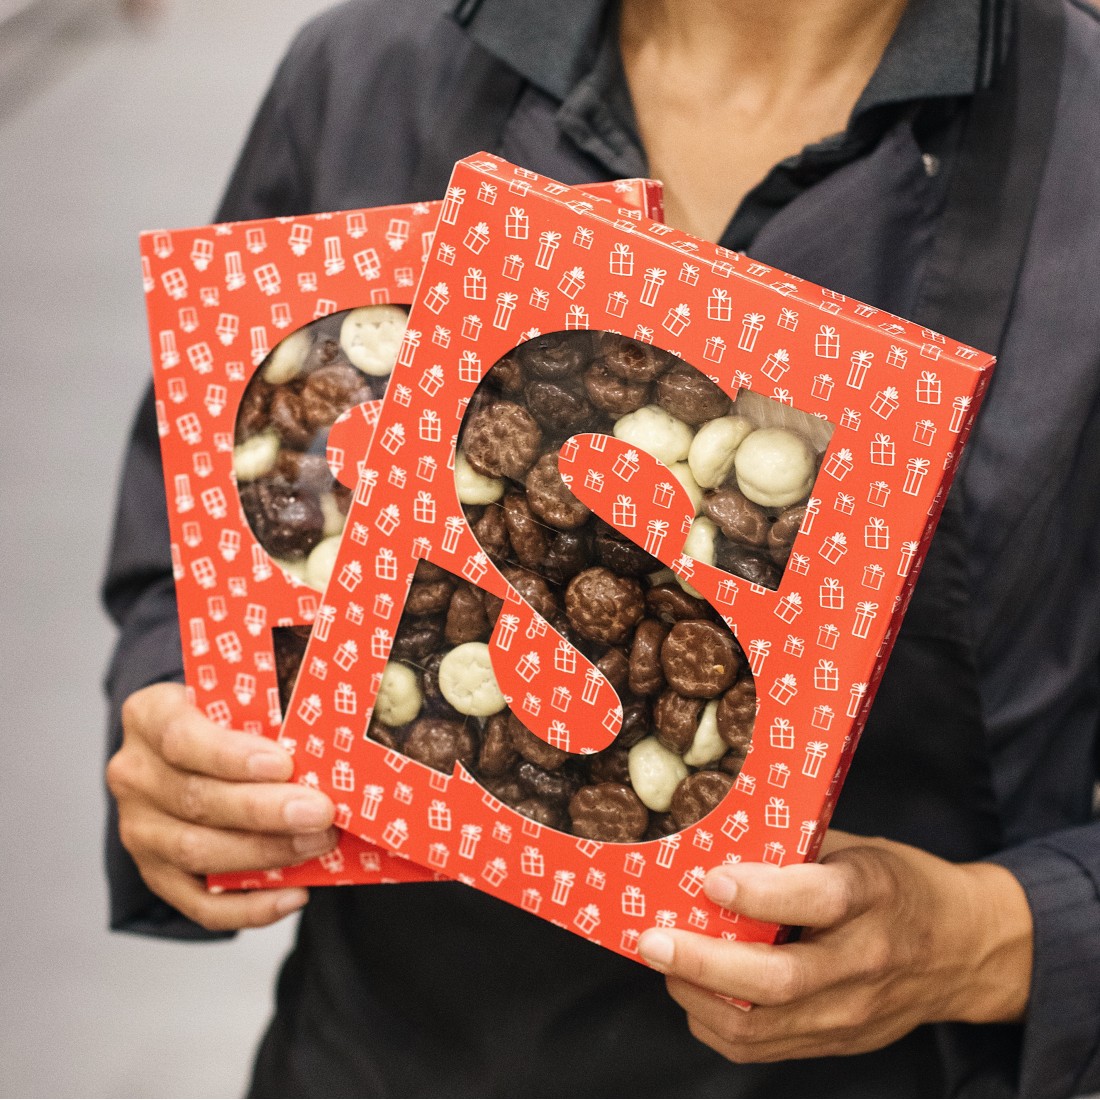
x=584 y=528
x=288 y=475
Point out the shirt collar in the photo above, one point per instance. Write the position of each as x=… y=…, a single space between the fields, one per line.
x=941 y=47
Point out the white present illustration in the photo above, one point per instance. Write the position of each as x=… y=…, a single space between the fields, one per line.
x=495 y=871
x=343 y=776
x=517 y=224
x=531 y=900
x=469 y=838
x=905 y=559
x=576 y=317
x=916 y=469
x=882 y=450
x=789 y=607
x=667 y=848
x=563 y=885
x=845 y=503
x=758 y=651
x=827 y=343
x=811 y=763
x=583 y=236
x=876 y=535
x=703 y=840
x=368 y=263
x=778 y=774
x=736 y=825
x=777 y=364
x=830 y=594
x=347 y=653
x=396 y=833
x=784 y=689
x=372 y=801
x=656 y=533
x=856 y=694
x=595 y=878
x=826 y=677
x=528 y=666
x=839 y=464
x=691 y=881
x=793 y=646
x=777 y=814
x=532 y=863
x=924 y=432
x=624 y=512
x=652 y=282
x=549 y=243
x=540 y=298
x=959 y=407
x=878 y=494
x=834 y=547
x=477 y=237
x=822 y=717
x=621 y=260
x=873 y=576
x=677 y=319
x=885 y=403
x=774 y=852
x=346 y=699
x=781 y=734
x=587 y=919
x=714 y=349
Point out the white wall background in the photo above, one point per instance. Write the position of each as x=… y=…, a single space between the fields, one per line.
x=106 y=128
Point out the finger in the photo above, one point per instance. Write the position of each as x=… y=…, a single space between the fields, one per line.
x=837 y=1022
x=816 y=895
x=755 y=972
x=183 y=736
x=223 y=912
x=256 y=807
x=199 y=850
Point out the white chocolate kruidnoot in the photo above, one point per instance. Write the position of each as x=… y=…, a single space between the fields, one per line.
x=399 y=698
x=655 y=773
x=774 y=467
x=475 y=488
x=656 y=432
x=467 y=681
x=371 y=337
x=287 y=359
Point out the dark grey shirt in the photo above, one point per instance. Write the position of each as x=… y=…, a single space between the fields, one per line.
x=436 y=990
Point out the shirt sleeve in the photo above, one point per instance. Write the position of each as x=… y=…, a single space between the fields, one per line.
x=1060 y=874
x=270 y=180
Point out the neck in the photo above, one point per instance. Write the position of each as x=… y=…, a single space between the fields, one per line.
x=773 y=43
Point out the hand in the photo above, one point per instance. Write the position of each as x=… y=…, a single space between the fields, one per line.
x=894 y=937
x=196 y=799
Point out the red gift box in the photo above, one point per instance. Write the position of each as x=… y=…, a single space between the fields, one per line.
x=311 y=267
x=739 y=823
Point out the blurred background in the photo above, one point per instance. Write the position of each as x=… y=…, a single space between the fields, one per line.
x=114 y=117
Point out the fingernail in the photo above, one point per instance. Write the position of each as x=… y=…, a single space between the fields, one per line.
x=656 y=948
x=267 y=765
x=314 y=844
x=721 y=888
x=307 y=813
x=291 y=901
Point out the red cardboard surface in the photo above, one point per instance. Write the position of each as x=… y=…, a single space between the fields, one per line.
x=218 y=299
x=535 y=258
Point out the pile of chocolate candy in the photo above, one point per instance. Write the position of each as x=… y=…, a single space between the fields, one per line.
x=689 y=701
x=293 y=504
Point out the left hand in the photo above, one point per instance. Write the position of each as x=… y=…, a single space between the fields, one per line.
x=894 y=937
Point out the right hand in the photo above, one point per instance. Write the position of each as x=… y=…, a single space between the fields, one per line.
x=196 y=799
